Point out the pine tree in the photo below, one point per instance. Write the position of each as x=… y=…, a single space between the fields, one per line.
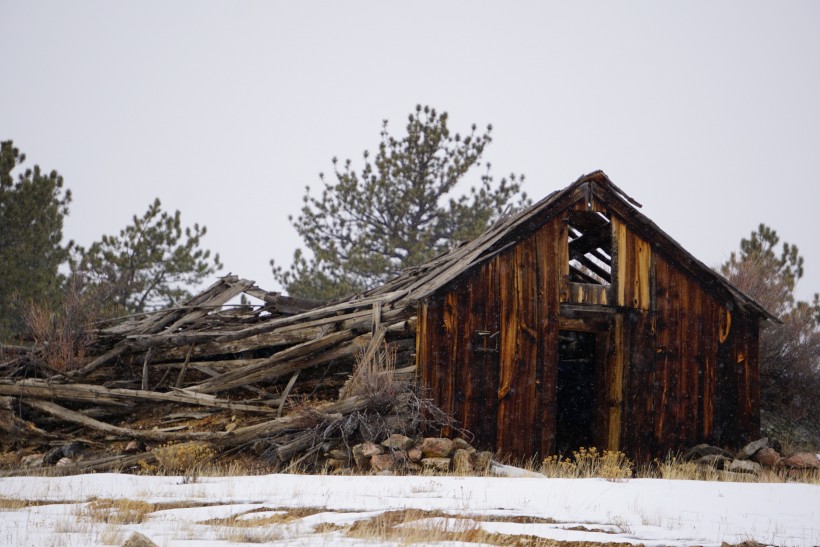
x=32 y=209
x=397 y=211
x=149 y=264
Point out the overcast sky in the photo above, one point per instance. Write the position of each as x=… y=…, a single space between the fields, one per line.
x=708 y=113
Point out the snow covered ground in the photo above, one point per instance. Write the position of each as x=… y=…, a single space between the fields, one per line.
x=649 y=511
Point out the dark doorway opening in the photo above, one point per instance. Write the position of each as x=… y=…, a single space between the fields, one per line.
x=575 y=404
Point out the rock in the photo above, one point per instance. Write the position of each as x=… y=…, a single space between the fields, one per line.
x=382 y=462
x=436 y=447
x=436 y=464
x=702 y=450
x=462 y=464
x=415 y=454
x=502 y=470
x=802 y=460
x=482 y=461
x=363 y=452
x=397 y=442
x=767 y=457
x=749 y=450
x=371 y=449
x=63 y=462
x=32 y=460
x=744 y=466
x=138 y=540
x=462 y=444
x=716 y=461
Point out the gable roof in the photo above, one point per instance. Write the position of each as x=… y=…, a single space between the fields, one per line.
x=420 y=282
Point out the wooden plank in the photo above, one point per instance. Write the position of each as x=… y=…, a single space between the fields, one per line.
x=434 y=350
x=687 y=393
x=753 y=375
x=526 y=378
x=507 y=356
x=709 y=333
x=422 y=346
x=561 y=260
x=748 y=388
x=664 y=360
x=639 y=345
x=449 y=362
x=620 y=260
x=472 y=321
x=548 y=249
x=643 y=261
x=614 y=385
x=461 y=353
x=727 y=392
x=489 y=362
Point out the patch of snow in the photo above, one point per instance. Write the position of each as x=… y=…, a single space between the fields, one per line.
x=649 y=511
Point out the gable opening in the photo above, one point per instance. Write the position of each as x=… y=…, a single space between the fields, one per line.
x=589 y=236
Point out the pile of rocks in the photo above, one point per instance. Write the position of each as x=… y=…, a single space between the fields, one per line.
x=753 y=458
x=401 y=454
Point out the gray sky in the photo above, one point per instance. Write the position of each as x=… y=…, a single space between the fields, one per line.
x=708 y=113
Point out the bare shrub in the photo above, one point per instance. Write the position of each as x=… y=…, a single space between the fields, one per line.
x=374 y=375
x=63 y=337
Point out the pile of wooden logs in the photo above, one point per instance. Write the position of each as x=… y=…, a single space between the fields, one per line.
x=208 y=371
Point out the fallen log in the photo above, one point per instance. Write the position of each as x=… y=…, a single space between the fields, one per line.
x=150 y=434
x=118 y=396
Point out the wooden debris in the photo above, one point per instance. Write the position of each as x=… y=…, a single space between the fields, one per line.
x=248 y=365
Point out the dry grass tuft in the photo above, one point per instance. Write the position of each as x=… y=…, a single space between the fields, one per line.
x=13 y=504
x=186 y=458
x=587 y=463
x=417 y=527
x=287 y=515
x=120 y=511
x=248 y=535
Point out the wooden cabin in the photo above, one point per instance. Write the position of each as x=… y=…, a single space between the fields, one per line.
x=579 y=322
x=575 y=322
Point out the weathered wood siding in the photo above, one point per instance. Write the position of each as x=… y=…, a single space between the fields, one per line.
x=684 y=386
x=672 y=373
x=500 y=386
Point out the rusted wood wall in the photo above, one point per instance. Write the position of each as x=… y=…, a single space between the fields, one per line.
x=668 y=378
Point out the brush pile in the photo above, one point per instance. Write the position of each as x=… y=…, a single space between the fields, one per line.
x=278 y=380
